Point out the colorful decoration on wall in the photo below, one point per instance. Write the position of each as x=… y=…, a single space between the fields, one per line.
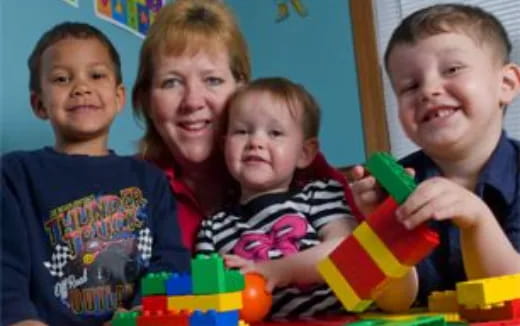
x=283 y=8
x=133 y=15
x=74 y=3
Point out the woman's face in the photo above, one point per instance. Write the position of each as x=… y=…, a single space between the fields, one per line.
x=188 y=95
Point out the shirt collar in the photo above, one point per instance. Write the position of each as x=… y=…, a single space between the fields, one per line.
x=501 y=169
x=499 y=172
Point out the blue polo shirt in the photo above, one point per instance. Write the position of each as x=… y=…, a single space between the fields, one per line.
x=498 y=185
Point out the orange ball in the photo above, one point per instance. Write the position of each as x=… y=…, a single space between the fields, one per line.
x=256 y=301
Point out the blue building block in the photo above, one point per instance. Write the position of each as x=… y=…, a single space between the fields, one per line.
x=179 y=284
x=214 y=318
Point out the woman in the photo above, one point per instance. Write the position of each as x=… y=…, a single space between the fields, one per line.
x=193 y=59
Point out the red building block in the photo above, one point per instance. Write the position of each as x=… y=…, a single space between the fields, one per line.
x=358 y=268
x=510 y=310
x=154 y=303
x=163 y=318
x=408 y=246
x=512 y=322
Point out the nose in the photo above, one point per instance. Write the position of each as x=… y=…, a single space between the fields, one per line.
x=431 y=88
x=193 y=97
x=81 y=88
x=256 y=141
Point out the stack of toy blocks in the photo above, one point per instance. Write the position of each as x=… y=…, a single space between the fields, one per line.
x=380 y=248
x=490 y=301
x=210 y=296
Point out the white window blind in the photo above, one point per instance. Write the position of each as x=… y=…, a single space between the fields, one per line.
x=388 y=14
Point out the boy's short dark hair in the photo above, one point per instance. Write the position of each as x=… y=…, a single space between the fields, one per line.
x=292 y=94
x=63 y=31
x=479 y=24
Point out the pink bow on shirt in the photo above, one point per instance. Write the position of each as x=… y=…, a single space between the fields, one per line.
x=283 y=236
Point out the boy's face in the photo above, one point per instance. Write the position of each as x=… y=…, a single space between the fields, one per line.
x=450 y=91
x=79 y=93
x=265 y=144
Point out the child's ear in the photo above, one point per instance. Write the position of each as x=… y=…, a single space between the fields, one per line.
x=309 y=151
x=37 y=106
x=120 y=97
x=510 y=86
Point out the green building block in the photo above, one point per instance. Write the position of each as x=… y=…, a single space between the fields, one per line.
x=419 y=321
x=154 y=283
x=207 y=274
x=234 y=281
x=366 y=322
x=392 y=176
x=125 y=318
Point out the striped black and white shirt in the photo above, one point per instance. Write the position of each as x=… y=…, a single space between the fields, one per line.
x=276 y=225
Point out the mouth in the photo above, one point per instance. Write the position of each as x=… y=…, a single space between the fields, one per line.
x=194 y=126
x=82 y=107
x=439 y=113
x=254 y=159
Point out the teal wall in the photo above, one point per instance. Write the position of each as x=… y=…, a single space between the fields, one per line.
x=315 y=51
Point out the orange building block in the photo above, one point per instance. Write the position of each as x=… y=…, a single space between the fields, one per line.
x=443 y=301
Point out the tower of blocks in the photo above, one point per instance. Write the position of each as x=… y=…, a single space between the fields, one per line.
x=491 y=301
x=380 y=248
x=210 y=296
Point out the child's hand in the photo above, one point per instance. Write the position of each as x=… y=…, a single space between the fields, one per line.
x=271 y=270
x=367 y=193
x=439 y=199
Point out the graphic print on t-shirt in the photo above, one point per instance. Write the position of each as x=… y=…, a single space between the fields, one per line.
x=281 y=240
x=101 y=244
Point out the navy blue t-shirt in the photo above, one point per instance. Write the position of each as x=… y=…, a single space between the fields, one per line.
x=499 y=187
x=79 y=231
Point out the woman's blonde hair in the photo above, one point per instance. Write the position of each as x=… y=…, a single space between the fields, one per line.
x=185 y=26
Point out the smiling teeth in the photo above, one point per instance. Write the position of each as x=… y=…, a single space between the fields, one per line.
x=194 y=125
x=439 y=114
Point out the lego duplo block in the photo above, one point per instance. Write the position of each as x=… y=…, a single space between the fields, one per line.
x=125 y=318
x=179 y=284
x=443 y=301
x=163 y=318
x=412 y=314
x=484 y=293
x=379 y=252
x=419 y=321
x=214 y=318
x=209 y=275
x=234 y=281
x=154 y=303
x=358 y=268
x=408 y=246
x=392 y=176
x=506 y=311
x=182 y=302
x=219 y=302
x=154 y=283
x=342 y=289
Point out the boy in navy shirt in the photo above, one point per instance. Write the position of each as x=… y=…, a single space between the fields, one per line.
x=450 y=70
x=80 y=225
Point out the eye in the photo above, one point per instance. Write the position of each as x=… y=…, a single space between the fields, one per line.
x=238 y=131
x=99 y=75
x=408 y=88
x=60 y=79
x=275 y=133
x=170 y=83
x=453 y=69
x=214 y=81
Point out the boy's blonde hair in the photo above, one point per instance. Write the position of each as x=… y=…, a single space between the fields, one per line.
x=477 y=23
x=186 y=27
x=295 y=96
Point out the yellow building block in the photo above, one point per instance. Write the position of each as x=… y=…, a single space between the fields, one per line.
x=341 y=287
x=242 y=323
x=487 y=292
x=219 y=302
x=379 y=252
x=443 y=301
